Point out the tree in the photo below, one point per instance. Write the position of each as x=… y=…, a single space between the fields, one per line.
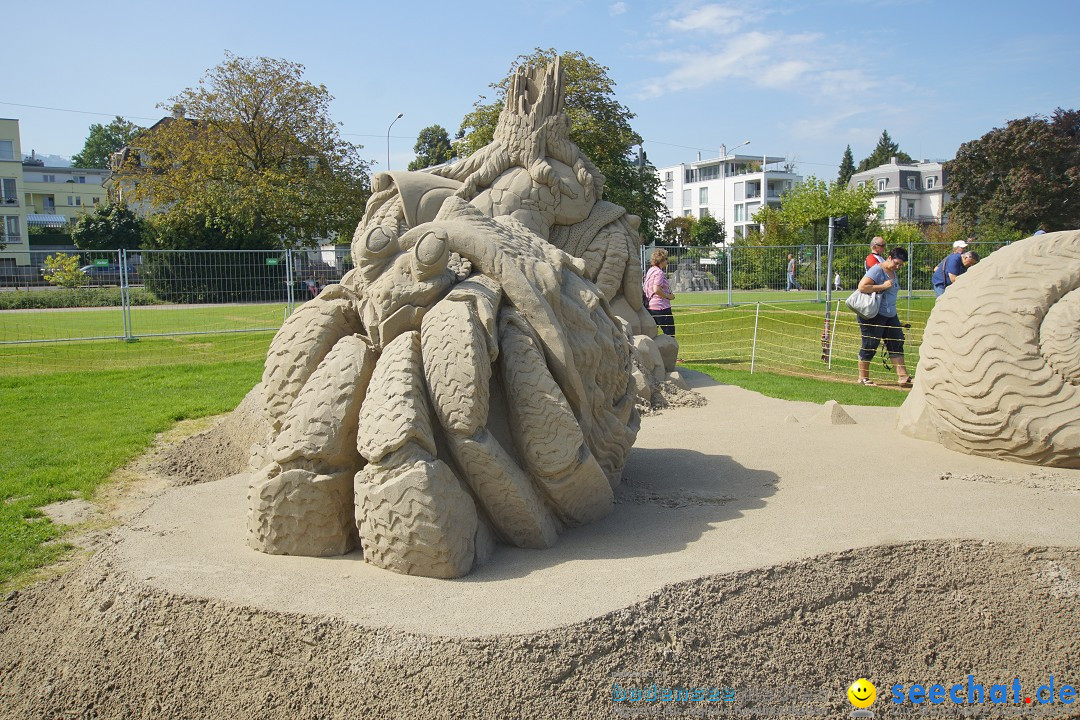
x=706 y=232
x=109 y=227
x=677 y=230
x=847 y=167
x=1026 y=174
x=260 y=164
x=432 y=148
x=63 y=270
x=810 y=204
x=103 y=141
x=885 y=151
x=599 y=126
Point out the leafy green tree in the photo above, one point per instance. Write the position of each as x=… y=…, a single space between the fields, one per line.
x=677 y=230
x=706 y=232
x=599 y=126
x=810 y=204
x=261 y=163
x=885 y=151
x=432 y=148
x=109 y=227
x=103 y=141
x=847 y=167
x=63 y=270
x=1026 y=174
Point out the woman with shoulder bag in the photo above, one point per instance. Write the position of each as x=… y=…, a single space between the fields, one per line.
x=883 y=278
x=658 y=293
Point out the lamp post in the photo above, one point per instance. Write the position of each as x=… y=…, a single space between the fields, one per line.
x=724 y=186
x=399 y=116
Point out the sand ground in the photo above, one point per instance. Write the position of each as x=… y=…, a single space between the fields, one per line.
x=754 y=545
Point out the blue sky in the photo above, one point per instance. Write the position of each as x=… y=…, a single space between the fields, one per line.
x=798 y=79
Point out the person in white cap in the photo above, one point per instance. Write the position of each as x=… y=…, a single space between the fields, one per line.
x=953 y=266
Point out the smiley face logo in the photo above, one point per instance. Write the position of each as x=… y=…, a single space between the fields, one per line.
x=862 y=693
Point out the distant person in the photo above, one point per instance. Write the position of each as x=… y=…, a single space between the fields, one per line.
x=1040 y=231
x=836 y=282
x=658 y=292
x=312 y=286
x=791 y=281
x=952 y=267
x=877 y=253
x=883 y=278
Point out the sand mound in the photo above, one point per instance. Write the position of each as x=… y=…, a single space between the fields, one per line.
x=97 y=644
x=724 y=564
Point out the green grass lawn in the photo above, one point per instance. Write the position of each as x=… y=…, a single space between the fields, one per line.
x=75 y=414
x=74 y=323
x=67 y=432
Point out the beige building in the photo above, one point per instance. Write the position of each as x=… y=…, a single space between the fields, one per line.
x=34 y=195
x=13 y=235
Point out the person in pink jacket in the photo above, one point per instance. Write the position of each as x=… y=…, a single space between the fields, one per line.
x=658 y=295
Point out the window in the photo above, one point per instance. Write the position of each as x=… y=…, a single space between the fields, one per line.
x=669 y=181
x=97 y=200
x=669 y=199
x=882 y=184
x=74 y=200
x=9 y=229
x=752 y=208
x=910 y=183
x=48 y=178
x=930 y=182
x=7 y=150
x=739 y=210
x=667 y=176
x=688 y=212
x=881 y=210
x=687 y=198
x=911 y=209
x=740 y=191
x=11 y=195
x=703 y=196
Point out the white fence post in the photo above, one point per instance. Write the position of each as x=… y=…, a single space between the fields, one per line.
x=753 y=348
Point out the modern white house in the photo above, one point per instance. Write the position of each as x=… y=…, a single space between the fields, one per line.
x=730 y=187
x=907 y=192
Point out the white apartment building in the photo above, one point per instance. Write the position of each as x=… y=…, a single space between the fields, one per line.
x=907 y=192
x=730 y=188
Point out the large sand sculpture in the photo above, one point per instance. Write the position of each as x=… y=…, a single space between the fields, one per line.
x=474 y=378
x=999 y=365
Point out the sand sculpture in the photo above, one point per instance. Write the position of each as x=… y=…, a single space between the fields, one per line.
x=999 y=365
x=473 y=380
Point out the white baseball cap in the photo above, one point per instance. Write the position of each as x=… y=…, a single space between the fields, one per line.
x=959 y=244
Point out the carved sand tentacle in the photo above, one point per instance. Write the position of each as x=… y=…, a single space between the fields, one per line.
x=459 y=345
x=548 y=436
x=991 y=378
x=303 y=341
x=320 y=429
x=413 y=514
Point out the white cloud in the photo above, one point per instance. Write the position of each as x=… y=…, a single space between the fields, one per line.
x=710 y=18
x=617 y=8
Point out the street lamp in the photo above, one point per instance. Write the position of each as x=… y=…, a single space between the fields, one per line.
x=399 y=116
x=723 y=185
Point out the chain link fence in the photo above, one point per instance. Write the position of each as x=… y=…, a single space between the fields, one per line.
x=142 y=308
x=748 y=274
x=135 y=308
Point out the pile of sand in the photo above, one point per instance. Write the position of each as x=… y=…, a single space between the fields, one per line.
x=726 y=562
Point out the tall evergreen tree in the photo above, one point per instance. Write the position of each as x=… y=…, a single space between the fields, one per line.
x=885 y=151
x=847 y=167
